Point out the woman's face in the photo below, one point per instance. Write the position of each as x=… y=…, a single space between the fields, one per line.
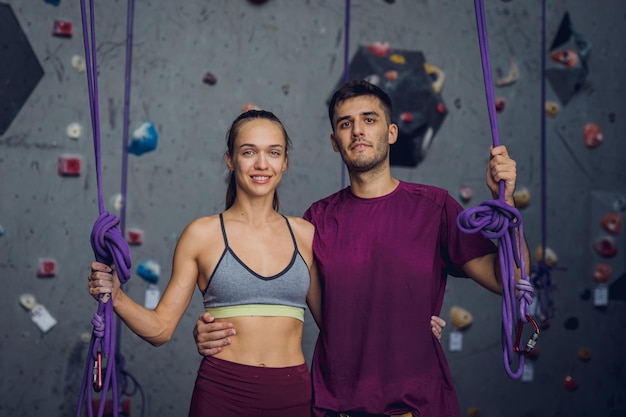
x=259 y=157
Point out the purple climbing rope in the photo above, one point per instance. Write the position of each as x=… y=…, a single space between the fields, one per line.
x=123 y=375
x=542 y=278
x=495 y=219
x=346 y=70
x=109 y=246
x=346 y=45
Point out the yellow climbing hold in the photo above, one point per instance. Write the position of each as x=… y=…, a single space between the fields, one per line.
x=397 y=59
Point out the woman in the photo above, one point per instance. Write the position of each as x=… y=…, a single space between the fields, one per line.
x=255 y=269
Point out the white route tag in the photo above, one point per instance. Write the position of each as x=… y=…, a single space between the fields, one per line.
x=529 y=372
x=42 y=318
x=456 y=341
x=153 y=295
x=601 y=296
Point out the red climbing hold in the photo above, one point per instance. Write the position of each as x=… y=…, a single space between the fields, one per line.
x=592 y=135
x=379 y=49
x=570 y=384
x=612 y=222
x=605 y=247
x=500 y=104
x=602 y=272
x=569 y=58
x=135 y=237
x=69 y=165
x=62 y=28
x=406 y=117
x=47 y=268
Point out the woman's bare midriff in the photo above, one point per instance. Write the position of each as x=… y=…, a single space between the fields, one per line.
x=274 y=342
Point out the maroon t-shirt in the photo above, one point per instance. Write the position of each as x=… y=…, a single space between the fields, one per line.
x=383 y=264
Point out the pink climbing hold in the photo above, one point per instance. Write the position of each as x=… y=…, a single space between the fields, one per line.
x=379 y=49
x=69 y=165
x=47 y=268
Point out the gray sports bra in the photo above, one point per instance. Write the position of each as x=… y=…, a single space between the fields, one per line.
x=236 y=290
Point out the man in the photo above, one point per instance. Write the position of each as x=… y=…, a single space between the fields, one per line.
x=384 y=249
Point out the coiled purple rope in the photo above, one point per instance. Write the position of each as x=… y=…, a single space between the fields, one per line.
x=109 y=246
x=495 y=219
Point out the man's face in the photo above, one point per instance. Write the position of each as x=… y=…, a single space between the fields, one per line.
x=362 y=134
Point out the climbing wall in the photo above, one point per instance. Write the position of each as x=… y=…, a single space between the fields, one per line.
x=197 y=64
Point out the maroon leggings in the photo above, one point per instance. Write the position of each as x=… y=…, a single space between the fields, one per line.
x=228 y=389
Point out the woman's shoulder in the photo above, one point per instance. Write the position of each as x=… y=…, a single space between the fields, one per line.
x=304 y=232
x=202 y=227
x=302 y=225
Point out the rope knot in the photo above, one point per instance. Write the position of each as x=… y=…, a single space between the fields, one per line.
x=109 y=246
x=493 y=218
x=98 y=325
x=526 y=290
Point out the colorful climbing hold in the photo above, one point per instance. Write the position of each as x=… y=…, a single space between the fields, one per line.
x=500 y=103
x=522 y=198
x=209 y=78
x=79 y=63
x=397 y=59
x=144 y=139
x=437 y=75
x=116 y=201
x=611 y=222
x=62 y=28
x=465 y=193
x=552 y=108
x=249 y=106
x=149 y=271
x=605 y=247
x=602 y=272
x=391 y=75
x=73 y=130
x=460 y=317
x=473 y=412
x=379 y=49
x=47 y=268
x=550 y=255
x=135 y=237
x=373 y=79
x=69 y=165
x=570 y=384
x=406 y=117
x=592 y=134
x=584 y=354
x=511 y=77
x=567 y=57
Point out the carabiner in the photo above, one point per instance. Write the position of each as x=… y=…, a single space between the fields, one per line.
x=97 y=373
x=530 y=345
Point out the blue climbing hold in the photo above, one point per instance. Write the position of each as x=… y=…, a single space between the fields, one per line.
x=144 y=139
x=149 y=270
